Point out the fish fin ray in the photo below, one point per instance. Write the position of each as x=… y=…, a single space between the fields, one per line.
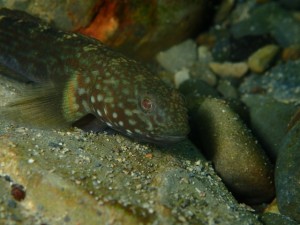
x=38 y=106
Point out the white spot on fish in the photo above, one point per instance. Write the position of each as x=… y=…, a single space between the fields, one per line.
x=99 y=98
x=115 y=115
x=98 y=86
x=137 y=131
x=121 y=123
x=99 y=112
x=109 y=124
x=81 y=91
x=87 y=80
x=132 y=122
x=128 y=112
x=93 y=99
x=129 y=131
x=105 y=111
x=85 y=105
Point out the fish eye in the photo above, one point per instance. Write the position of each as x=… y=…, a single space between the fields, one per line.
x=147 y=104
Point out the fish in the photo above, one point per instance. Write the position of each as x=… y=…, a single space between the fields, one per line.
x=70 y=76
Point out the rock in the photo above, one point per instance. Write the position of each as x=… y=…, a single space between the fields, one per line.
x=238 y=49
x=260 y=60
x=269 y=120
x=224 y=10
x=181 y=76
x=269 y=18
x=276 y=219
x=291 y=53
x=235 y=153
x=195 y=88
x=287 y=175
x=200 y=68
x=179 y=56
x=86 y=178
x=227 y=89
x=68 y=15
x=290 y=4
x=229 y=69
x=142 y=30
x=281 y=83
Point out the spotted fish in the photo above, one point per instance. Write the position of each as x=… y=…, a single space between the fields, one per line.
x=71 y=76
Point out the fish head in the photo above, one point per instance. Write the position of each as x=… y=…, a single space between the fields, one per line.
x=140 y=105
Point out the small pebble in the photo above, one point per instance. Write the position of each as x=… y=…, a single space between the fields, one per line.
x=260 y=60
x=229 y=69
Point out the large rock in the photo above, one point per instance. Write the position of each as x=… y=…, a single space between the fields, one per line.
x=287 y=174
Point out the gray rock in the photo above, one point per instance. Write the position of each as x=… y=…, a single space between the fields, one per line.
x=179 y=56
x=269 y=120
x=276 y=219
x=287 y=174
x=281 y=83
x=269 y=18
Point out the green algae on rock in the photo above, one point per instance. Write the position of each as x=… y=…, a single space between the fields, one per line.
x=287 y=174
x=235 y=153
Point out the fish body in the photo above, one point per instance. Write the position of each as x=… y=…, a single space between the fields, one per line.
x=73 y=76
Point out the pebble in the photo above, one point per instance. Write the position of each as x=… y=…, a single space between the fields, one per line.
x=291 y=53
x=235 y=153
x=178 y=56
x=229 y=69
x=260 y=60
x=287 y=174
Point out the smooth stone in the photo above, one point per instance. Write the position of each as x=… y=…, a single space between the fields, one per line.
x=228 y=69
x=178 y=56
x=260 y=60
x=287 y=174
x=236 y=155
x=269 y=120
